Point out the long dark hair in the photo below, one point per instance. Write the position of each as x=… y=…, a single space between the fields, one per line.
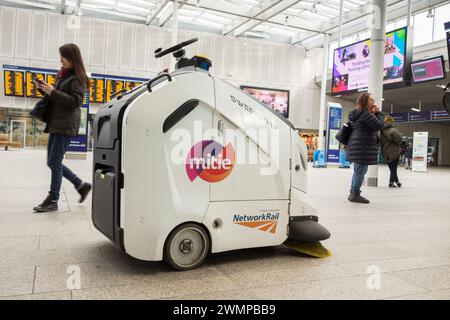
x=71 y=52
x=362 y=102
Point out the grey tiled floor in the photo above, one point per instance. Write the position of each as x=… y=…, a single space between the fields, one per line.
x=405 y=233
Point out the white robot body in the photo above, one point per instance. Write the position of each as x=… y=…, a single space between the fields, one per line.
x=148 y=182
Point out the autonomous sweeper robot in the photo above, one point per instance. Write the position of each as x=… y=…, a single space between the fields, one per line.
x=186 y=165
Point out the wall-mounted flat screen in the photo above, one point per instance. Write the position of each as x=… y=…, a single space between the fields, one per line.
x=31 y=89
x=351 y=63
x=276 y=99
x=428 y=70
x=113 y=86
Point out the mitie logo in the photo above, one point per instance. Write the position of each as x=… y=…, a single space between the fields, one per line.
x=210 y=161
x=264 y=222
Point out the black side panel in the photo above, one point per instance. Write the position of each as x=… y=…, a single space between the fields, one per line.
x=179 y=114
x=104 y=184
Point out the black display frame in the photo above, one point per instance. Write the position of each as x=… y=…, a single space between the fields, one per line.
x=387 y=86
x=243 y=87
x=441 y=57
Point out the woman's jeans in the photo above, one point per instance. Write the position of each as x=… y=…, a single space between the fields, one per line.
x=393 y=166
x=360 y=171
x=56 y=148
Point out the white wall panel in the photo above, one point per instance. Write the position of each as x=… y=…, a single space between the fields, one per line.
x=230 y=61
x=166 y=38
x=5 y=102
x=84 y=39
x=276 y=64
x=307 y=108
x=70 y=29
x=242 y=60
x=266 y=55
x=38 y=35
x=112 y=45
x=126 y=45
x=98 y=42
x=253 y=61
x=218 y=56
x=207 y=45
x=140 y=47
x=54 y=35
x=295 y=108
x=297 y=66
x=23 y=34
x=154 y=42
x=8 y=29
x=286 y=65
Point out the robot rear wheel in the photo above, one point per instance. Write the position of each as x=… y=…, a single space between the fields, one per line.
x=186 y=247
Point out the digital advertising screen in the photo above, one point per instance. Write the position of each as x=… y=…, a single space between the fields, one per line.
x=351 y=63
x=428 y=70
x=278 y=100
x=97 y=90
x=13 y=81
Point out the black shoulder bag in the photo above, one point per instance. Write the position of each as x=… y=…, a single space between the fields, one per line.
x=343 y=136
x=40 y=109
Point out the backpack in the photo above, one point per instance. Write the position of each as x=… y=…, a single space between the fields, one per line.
x=391 y=151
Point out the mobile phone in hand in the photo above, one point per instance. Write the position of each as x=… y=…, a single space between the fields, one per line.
x=38 y=80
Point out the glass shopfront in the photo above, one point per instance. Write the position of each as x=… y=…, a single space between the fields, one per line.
x=16 y=125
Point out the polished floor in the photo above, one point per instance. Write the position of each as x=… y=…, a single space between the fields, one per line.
x=398 y=247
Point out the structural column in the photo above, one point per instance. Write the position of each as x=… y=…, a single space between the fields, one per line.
x=323 y=93
x=376 y=71
x=174 y=38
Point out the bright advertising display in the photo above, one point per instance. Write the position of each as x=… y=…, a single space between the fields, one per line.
x=80 y=142
x=276 y=99
x=420 y=152
x=428 y=70
x=351 y=63
x=334 y=125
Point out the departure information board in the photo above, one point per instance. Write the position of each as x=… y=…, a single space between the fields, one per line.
x=51 y=79
x=18 y=82
x=31 y=89
x=97 y=90
x=130 y=85
x=13 y=83
x=113 y=86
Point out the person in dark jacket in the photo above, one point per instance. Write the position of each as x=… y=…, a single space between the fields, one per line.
x=366 y=121
x=408 y=154
x=63 y=122
x=391 y=141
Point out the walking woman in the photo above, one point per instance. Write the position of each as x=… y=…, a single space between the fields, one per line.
x=63 y=122
x=366 y=121
x=391 y=141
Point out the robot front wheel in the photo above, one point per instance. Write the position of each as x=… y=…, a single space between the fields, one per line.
x=186 y=247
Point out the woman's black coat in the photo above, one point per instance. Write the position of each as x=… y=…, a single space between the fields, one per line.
x=64 y=107
x=362 y=147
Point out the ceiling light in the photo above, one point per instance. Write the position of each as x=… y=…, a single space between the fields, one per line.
x=430 y=14
x=415 y=109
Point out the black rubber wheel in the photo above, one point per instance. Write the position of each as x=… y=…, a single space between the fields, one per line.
x=186 y=247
